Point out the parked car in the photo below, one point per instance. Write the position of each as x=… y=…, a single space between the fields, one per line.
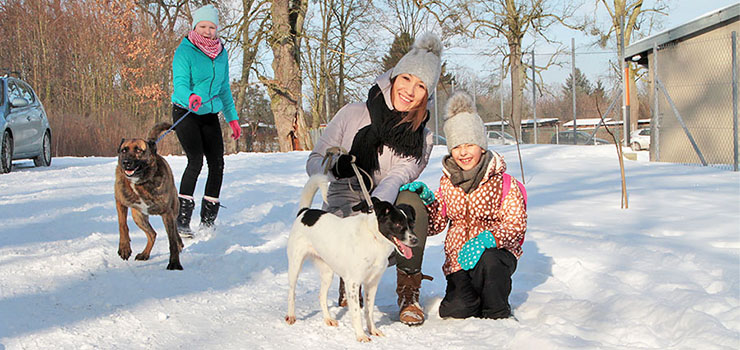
x=640 y=139
x=566 y=138
x=500 y=138
x=24 y=128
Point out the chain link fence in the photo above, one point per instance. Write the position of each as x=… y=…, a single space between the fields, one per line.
x=695 y=109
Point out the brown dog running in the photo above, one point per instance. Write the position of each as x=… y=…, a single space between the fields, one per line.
x=144 y=183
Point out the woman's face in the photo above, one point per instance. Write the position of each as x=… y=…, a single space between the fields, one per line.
x=467 y=156
x=206 y=29
x=407 y=92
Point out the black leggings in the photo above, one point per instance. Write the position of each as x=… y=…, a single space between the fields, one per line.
x=200 y=135
x=482 y=291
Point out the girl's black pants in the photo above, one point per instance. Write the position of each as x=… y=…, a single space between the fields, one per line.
x=200 y=136
x=482 y=291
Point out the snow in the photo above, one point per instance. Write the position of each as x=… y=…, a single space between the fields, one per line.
x=662 y=274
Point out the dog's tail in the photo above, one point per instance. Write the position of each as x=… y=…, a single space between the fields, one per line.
x=157 y=130
x=315 y=182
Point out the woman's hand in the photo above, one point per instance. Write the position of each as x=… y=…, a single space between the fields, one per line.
x=236 y=129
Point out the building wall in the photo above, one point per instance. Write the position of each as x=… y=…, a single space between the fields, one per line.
x=697 y=73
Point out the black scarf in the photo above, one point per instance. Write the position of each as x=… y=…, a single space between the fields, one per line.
x=467 y=180
x=384 y=130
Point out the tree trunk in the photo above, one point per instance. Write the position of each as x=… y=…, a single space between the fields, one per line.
x=285 y=90
x=517 y=85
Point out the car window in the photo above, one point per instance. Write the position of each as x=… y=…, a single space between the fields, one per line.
x=493 y=135
x=27 y=92
x=645 y=132
x=14 y=91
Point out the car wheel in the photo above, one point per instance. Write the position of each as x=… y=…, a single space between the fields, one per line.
x=635 y=146
x=6 y=154
x=44 y=159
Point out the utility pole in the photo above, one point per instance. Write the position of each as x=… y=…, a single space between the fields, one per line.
x=534 y=98
x=573 y=83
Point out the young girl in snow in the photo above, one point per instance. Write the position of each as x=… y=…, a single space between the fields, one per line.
x=486 y=232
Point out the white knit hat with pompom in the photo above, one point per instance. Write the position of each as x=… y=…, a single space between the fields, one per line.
x=463 y=125
x=423 y=61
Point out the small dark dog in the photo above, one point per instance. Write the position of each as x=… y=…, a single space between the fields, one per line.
x=356 y=248
x=144 y=183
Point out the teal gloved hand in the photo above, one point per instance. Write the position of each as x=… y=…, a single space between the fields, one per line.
x=473 y=249
x=420 y=188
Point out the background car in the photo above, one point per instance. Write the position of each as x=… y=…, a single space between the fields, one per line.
x=500 y=138
x=640 y=139
x=566 y=138
x=24 y=128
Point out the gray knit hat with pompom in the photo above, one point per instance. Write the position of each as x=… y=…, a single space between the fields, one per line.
x=462 y=123
x=423 y=61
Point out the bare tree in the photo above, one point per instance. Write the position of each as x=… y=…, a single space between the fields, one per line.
x=285 y=90
x=248 y=30
x=511 y=20
x=634 y=18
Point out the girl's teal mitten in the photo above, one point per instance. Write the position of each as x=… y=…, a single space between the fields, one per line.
x=473 y=249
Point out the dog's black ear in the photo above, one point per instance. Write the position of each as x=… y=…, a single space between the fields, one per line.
x=408 y=210
x=120 y=144
x=152 y=146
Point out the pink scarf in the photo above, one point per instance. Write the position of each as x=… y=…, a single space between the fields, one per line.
x=210 y=47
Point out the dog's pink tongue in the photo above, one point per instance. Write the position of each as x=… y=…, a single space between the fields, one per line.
x=407 y=253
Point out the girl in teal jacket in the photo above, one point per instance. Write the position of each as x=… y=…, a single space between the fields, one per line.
x=200 y=71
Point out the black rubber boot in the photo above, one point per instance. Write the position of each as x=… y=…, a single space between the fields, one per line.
x=183 y=218
x=208 y=213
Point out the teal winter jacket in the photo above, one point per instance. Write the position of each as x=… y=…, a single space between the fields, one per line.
x=195 y=73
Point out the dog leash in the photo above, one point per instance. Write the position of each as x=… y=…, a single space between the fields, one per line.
x=330 y=153
x=181 y=118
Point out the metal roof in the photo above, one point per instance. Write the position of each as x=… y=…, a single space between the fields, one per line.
x=729 y=13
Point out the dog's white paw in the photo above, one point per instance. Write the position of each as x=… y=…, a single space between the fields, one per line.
x=331 y=322
x=376 y=332
x=290 y=319
x=363 y=338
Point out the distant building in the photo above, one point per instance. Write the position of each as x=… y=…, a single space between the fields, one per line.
x=694 y=63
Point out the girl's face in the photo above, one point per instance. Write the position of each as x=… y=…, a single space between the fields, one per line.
x=467 y=156
x=206 y=29
x=407 y=92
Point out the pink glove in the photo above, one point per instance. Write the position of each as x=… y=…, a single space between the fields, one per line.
x=195 y=102
x=236 y=129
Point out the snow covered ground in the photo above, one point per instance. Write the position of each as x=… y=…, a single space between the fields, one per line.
x=663 y=274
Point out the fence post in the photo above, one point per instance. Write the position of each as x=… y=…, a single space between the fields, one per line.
x=655 y=135
x=625 y=88
x=573 y=84
x=734 y=101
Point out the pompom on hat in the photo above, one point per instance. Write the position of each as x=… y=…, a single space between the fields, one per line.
x=205 y=13
x=423 y=61
x=463 y=125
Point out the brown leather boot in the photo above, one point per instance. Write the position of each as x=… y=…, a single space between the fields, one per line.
x=342 y=302
x=407 y=288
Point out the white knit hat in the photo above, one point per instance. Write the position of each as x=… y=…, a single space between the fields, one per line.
x=205 y=13
x=462 y=123
x=423 y=61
